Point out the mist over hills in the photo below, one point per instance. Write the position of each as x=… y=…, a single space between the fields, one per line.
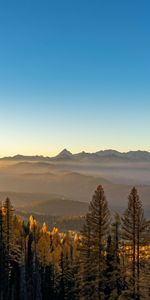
x=64 y=184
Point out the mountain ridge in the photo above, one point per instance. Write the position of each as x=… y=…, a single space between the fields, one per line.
x=137 y=155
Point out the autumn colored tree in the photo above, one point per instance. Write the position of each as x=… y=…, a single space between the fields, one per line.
x=38 y=264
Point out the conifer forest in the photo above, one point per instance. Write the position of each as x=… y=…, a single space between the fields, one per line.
x=108 y=259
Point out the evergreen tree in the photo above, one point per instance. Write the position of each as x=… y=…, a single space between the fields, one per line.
x=133 y=228
x=38 y=264
x=113 y=281
x=66 y=269
x=87 y=267
x=2 y=255
x=8 y=240
x=108 y=274
x=32 y=270
x=120 y=282
x=76 y=271
x=94 y=236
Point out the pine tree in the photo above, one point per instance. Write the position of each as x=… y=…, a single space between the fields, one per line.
x=113 y=281
x=76 y=271
x=108 y=274
x=94 y=237
x=33 y=272
x=66 y=267
x=2 y=255
x=8 y=240
x=37 y=264
x=133 y=228
x=118 y=273
x=86 y=257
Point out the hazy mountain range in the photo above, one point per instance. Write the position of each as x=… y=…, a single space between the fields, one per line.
x=63 y=185
x=101 y=155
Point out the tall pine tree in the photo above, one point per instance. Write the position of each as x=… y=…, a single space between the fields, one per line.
x=94 y=238
x=133 y=228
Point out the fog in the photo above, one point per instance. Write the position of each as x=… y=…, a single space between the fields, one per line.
x=74 y=181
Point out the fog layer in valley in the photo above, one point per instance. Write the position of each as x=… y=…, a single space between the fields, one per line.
x=47 y=187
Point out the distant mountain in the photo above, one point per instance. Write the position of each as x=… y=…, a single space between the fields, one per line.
x=144 y=155
x=64 y=154
x=19 y=157
x=85 y=156
x=113 y=155
x=102 y=155
x=110 y=153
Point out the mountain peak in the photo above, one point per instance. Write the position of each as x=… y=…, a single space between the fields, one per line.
x=64 y=154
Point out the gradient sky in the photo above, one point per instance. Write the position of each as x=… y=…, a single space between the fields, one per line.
x=74 y=74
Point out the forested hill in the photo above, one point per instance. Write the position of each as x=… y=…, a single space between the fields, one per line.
x=108 y=259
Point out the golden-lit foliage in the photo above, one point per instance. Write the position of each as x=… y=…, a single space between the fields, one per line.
x=43 y=249
x=44 y=228
x=60 y=254
x=144 y=251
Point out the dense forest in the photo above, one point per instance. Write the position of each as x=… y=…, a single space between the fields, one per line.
x=108 y=259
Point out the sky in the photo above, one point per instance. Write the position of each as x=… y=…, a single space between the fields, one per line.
x=74 y=74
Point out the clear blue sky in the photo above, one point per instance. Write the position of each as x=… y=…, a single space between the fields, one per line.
x=74 y=74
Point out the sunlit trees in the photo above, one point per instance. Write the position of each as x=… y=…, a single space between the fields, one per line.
x=32 y=262
x=105 y=261
x=44 y=258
